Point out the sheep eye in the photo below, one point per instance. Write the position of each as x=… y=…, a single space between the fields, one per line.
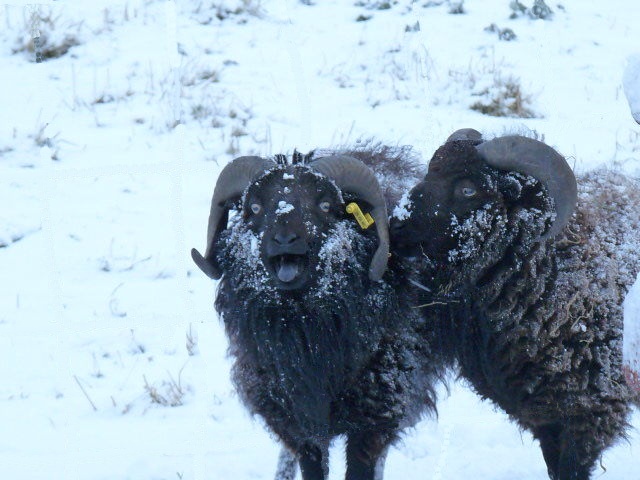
x=325 y=206
x=256 y=208
x=468 y=191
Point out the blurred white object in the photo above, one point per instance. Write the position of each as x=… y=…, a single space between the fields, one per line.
x=631 y=349
x=631 y=84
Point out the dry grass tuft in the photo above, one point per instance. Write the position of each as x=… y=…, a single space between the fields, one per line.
x=504 y=99
x=170 y=393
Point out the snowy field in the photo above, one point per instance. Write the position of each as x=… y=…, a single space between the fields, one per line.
x=112 y=362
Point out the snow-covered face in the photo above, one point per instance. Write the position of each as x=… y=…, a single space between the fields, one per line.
x=445 y=219
x=451 y=214
x=291 y=212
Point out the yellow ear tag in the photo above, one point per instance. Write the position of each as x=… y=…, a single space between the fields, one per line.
x=364 y=219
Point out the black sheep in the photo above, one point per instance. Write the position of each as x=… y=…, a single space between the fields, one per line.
x=526 y=294
x=323 y=345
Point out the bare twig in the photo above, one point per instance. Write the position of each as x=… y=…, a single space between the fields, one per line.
x=192 y=342
x=419 y=285
x=430 y=304
x=85 y=393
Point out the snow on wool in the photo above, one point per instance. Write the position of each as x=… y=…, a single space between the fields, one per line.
x=403 y=209
x=284 y=207
x=336 y=257
x=334 y=354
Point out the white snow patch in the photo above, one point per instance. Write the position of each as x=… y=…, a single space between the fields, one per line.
x=336 y=255
x=472 y=231
x=402 y=211
x=284 y=207
x=244 y=245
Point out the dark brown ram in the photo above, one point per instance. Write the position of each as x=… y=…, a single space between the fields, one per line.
x=324 y=338
x=526 y=288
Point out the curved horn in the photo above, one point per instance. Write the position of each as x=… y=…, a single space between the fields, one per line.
x=465 y=134
x=532 y=157
x=351 y=175
x=232 y=181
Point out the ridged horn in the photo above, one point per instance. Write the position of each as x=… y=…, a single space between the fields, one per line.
x=232 y=181
x=534 y=158
x=465 y=134
x=351 y=175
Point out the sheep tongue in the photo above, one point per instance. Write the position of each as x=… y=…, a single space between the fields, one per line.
x=287 y=270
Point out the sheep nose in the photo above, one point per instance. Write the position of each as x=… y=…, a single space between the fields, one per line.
x=285 y=239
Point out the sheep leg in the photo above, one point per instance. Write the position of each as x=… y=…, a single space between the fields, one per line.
x=314 y=462
x=549 y=438
x=578 y=454
x=366 y=453
x=287 y=465
x=572 y=465
x=568 y=452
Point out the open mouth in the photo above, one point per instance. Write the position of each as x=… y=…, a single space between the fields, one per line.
x=288 y=267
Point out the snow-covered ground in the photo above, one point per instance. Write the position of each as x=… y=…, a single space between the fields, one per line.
x=112 y=362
